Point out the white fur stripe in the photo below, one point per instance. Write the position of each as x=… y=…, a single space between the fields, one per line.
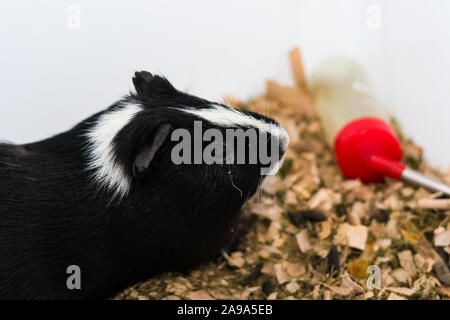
x=224 y=116
x=107 y=172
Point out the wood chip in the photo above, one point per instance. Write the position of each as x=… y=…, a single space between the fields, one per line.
x=327 y=295
x=419 y=261
x=199 y=295
x=347 y=282
x=324 y=199
x=294 y=97
x=400 y=290
x=176 y=288
x=272 y=212
x=303 y=241
x=280 y=274
x=406 y=260
x=326 y=230
x=442 y=239
x=365 y=296
x=402 y=275
x=294 y=270
x=297 y=67
x=394 y=296
x=385 y=243
x=353 y=236
x=437 y=204
x=340 y=290
x=290 y=199
x=273 y=296
x=236 y=259
x=292 y=287
x=357 y=212
x=377 y=229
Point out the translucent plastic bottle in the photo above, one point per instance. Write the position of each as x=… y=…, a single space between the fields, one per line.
x=342 y=93
x=357 y=126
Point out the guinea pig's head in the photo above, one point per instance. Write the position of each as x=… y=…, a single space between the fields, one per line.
x=162 y=140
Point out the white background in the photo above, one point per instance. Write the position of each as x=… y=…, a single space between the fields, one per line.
x=53 y=76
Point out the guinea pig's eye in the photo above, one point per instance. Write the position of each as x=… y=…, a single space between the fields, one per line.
x=218 y=153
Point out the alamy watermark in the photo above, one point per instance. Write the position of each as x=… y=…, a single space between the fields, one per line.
x=74 y=279
x=374 y=279
x=236 y=146
x=373 y=21
x=73 y=21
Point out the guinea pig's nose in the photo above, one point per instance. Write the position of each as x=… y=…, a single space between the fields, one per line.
x=283 y=150
x=283 y=140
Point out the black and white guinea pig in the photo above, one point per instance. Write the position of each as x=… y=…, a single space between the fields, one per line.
x=106 y=196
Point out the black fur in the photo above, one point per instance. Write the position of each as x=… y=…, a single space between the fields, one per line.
x=52 y=214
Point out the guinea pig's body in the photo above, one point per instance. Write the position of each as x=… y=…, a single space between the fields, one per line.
x=106 y=197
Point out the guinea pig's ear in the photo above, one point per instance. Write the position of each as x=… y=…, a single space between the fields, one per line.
x=148 y=85
x=148 y=151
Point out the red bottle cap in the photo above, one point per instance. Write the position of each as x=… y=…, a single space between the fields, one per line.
x=368 y=149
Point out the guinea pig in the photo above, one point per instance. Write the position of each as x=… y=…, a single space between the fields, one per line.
x=114 y=201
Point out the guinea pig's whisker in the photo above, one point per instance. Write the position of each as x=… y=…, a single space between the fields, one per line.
x=232 y=183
